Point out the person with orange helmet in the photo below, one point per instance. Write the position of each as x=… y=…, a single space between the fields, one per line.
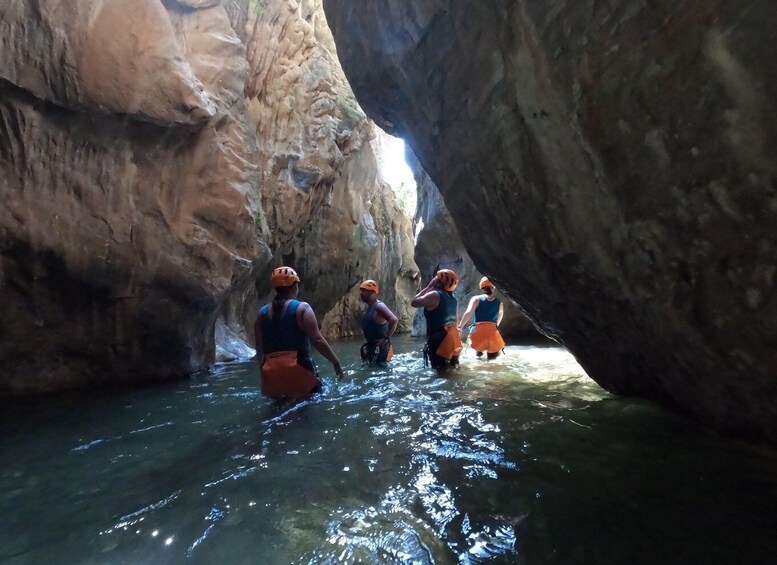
x=284 y=331
x=443 y=339
x=378 y=324
x=488 y=311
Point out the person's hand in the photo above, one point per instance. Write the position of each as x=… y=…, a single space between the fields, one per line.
x=381 y=342
x=339 y=371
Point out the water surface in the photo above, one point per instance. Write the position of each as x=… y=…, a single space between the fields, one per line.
x=519 y=460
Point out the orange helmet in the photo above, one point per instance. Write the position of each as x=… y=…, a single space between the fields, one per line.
x=484 y=282
x=448 y=278
x=371 y=285
x=283 y=276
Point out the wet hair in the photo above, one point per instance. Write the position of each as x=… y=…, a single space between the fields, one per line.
x=489 y=290
x=282 y=293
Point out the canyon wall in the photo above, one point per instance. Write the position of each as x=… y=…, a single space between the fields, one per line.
x=157 y=159
x=439 y=246
x=384 y=239
x=626 y=151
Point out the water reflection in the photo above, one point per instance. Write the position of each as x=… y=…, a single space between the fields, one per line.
x=520 y=460
x=452 y=445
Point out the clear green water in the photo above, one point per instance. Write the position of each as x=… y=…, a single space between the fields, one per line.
x=522 y=460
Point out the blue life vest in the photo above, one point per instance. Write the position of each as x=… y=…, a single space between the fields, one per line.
x=373 y=331
x=284 y=334
x=487 y=311
x=444 y=314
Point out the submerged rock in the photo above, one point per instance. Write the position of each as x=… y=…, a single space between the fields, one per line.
x=626 y=151
x=230 y=345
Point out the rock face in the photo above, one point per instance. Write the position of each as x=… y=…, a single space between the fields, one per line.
x=626 y=151
x=307 y=119
x=438 y=246
x=128 y=212
x=382 y=249
x=321 y=190
x=157 y=159
x=312 y=150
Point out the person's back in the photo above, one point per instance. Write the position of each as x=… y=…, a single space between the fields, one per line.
x=373 y=330
x=288 y=369
x=284 y=330
x=283 y=334
x=487 y=311
x=443 y=340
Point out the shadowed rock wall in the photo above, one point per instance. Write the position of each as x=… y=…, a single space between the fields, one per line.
x=128 y=212
x=438 y=246
x=626 y=151
x=157 y=159
x=383 y=238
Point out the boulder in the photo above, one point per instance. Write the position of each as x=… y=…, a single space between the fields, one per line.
x=626 y=151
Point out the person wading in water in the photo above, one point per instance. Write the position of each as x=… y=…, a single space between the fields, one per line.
x=488 y=311
x=443 y=340
x=378 y=324
x=284 y=331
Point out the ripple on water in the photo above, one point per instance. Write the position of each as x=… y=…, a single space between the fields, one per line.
x=522 y=459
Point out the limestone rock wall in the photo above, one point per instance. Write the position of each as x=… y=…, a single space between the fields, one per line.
x=320 y=162
x=382 y=249
x=438 y=246
x=126 y=173
x=157 y=159
x=626 y=150
x=307 y=119
x=310 y=134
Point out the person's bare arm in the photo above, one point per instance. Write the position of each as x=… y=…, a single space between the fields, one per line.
x=427 y=297
x=309 y=325
x=258 y=339
x=501 y=313
x=390 y=317
x=473 y=303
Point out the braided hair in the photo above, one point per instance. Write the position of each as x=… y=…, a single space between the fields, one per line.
x=282 y=293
